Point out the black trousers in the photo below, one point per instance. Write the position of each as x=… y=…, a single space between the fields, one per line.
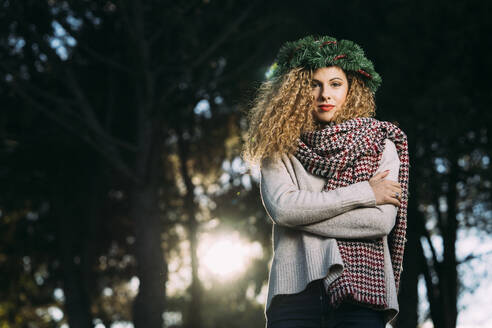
x=310 y=309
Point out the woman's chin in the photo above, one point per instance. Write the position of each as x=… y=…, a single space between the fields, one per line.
x=324 y=117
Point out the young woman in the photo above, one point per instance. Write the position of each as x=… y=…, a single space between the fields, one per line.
x=334 y=181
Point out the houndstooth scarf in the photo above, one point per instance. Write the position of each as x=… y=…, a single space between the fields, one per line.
x=344 y=154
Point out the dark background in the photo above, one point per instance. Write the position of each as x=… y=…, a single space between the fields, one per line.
x=110 y=174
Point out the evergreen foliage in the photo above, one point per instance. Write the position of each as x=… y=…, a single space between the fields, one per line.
x=316 y=52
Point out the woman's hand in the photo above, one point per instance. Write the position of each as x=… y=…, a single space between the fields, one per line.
x=385 y=190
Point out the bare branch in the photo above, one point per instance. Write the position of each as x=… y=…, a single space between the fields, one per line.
x=426 y=234
x=49 y=113
x=64 y=104
x=440 y=220
x=157 y=34
x=433 y=291
x=239 y=68
x=426 y=271
x=91 y=119
x=124 y=14
x=227 y=32
x=94 y=54
x=474 y=256
x=223 y=37
x=99 y=148
x=105 y=148
x=104 y=59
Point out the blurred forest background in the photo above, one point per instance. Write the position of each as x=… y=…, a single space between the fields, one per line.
x=124 y=202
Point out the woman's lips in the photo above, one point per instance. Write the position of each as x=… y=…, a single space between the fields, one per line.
x=326 y=108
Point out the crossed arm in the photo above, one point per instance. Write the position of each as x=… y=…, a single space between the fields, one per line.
x=345 y=212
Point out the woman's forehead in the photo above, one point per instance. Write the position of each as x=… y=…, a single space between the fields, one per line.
x=329 y=72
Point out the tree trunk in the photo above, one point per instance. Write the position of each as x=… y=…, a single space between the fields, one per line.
x=77 y=301
x=443 y=292
x=148 y=306
x=191 y=209
x=151 y=269
x=449 y=272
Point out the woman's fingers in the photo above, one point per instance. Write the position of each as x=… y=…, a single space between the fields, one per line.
x=395 y=189
x=393 y=186
x=391 y=189
x=394 y=183
x=380 y=175
x=391 y=193
x=386 y=191
x=383 y=174
x=392 y=200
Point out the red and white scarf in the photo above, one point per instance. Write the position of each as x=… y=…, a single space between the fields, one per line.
x=348 y=153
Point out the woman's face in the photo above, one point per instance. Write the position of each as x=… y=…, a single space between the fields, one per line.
x=329 y=88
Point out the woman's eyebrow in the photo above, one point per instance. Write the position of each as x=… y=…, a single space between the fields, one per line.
x=333 y=78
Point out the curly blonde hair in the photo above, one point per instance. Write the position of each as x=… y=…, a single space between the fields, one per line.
x=283 y=109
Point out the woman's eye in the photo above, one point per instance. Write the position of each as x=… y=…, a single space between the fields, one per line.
x=314 y=85
x=336 y=85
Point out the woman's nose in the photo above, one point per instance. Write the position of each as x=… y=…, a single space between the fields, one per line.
x=325 y=94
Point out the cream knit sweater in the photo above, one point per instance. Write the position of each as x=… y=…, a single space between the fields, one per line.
x=306 y=220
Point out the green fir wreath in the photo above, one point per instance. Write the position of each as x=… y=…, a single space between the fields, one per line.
x=316 y=52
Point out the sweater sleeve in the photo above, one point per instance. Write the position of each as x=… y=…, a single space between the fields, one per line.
x=289 y=206
x=366 y=222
